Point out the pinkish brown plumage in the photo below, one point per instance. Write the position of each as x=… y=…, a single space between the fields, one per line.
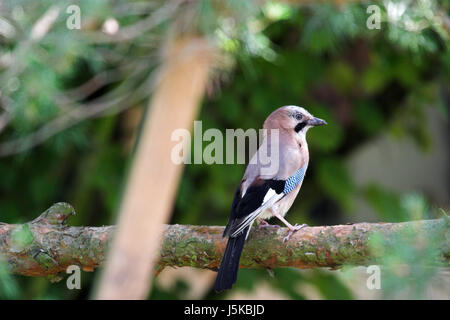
x=270 y=184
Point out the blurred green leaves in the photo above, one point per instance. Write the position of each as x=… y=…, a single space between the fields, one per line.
x=409 y=261
x=335 y=180
x=294 y=283
x=327 y=138
x=319 y=56
x=369 y=116
x=386 y=203
x=394 y=207
x=330 y=286
x=277 y=11
x=8 y=286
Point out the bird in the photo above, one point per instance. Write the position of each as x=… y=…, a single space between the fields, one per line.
x=264 y=193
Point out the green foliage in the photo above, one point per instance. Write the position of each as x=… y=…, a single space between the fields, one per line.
x=8 y=285
x=386 y=203
x=329 y=138
x=406 y=271
x=363 y=82
x=336 y=182
x=368 y=110
x=330 y=286
x=328 y=26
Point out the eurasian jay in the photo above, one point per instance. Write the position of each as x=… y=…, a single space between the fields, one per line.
x=265 y=193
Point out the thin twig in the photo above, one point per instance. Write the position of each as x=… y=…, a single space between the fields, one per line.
x=133 y=31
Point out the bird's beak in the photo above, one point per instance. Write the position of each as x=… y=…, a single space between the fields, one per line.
x=316 y=122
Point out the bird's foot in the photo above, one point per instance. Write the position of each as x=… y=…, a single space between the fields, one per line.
x=265 y=224
x=262 y=222
x=293 y=229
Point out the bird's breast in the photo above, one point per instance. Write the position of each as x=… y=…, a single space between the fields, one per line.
x=283 y=206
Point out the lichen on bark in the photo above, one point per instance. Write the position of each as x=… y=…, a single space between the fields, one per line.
x=46 y=246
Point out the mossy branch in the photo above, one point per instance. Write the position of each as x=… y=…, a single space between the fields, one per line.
x=46 y=246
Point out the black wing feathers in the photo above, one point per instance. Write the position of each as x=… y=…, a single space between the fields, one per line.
x=241 y=208
x=251 y=201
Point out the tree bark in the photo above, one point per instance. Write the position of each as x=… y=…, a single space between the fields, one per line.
x=46 y=246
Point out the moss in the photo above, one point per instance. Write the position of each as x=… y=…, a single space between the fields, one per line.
x=56 y=214
x=43 y=258
x=21 y=238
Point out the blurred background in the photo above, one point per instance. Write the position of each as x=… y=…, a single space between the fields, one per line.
x=72 y=102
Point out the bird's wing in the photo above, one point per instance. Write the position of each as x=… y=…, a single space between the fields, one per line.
x=260 y=195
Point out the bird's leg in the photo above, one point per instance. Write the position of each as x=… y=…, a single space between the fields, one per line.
x=262 y=222
x=295 y=228
x=292 y=228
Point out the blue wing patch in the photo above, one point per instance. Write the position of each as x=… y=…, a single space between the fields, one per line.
x=294 y=180
x=247 y=208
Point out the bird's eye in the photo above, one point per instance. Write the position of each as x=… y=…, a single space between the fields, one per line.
x=298 y=116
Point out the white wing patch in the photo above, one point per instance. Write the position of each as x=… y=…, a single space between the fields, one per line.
x=269 y=195
x=267 y=202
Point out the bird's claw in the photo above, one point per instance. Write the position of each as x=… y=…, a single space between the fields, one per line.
x=294 y=228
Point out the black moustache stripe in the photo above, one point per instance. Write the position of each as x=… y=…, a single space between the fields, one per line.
x=299 y=126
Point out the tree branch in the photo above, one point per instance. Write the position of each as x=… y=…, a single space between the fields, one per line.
x=46 y=246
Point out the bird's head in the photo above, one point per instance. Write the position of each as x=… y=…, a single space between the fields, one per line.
x=292 y=118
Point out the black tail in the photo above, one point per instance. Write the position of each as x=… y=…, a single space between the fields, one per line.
x=229 y=266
